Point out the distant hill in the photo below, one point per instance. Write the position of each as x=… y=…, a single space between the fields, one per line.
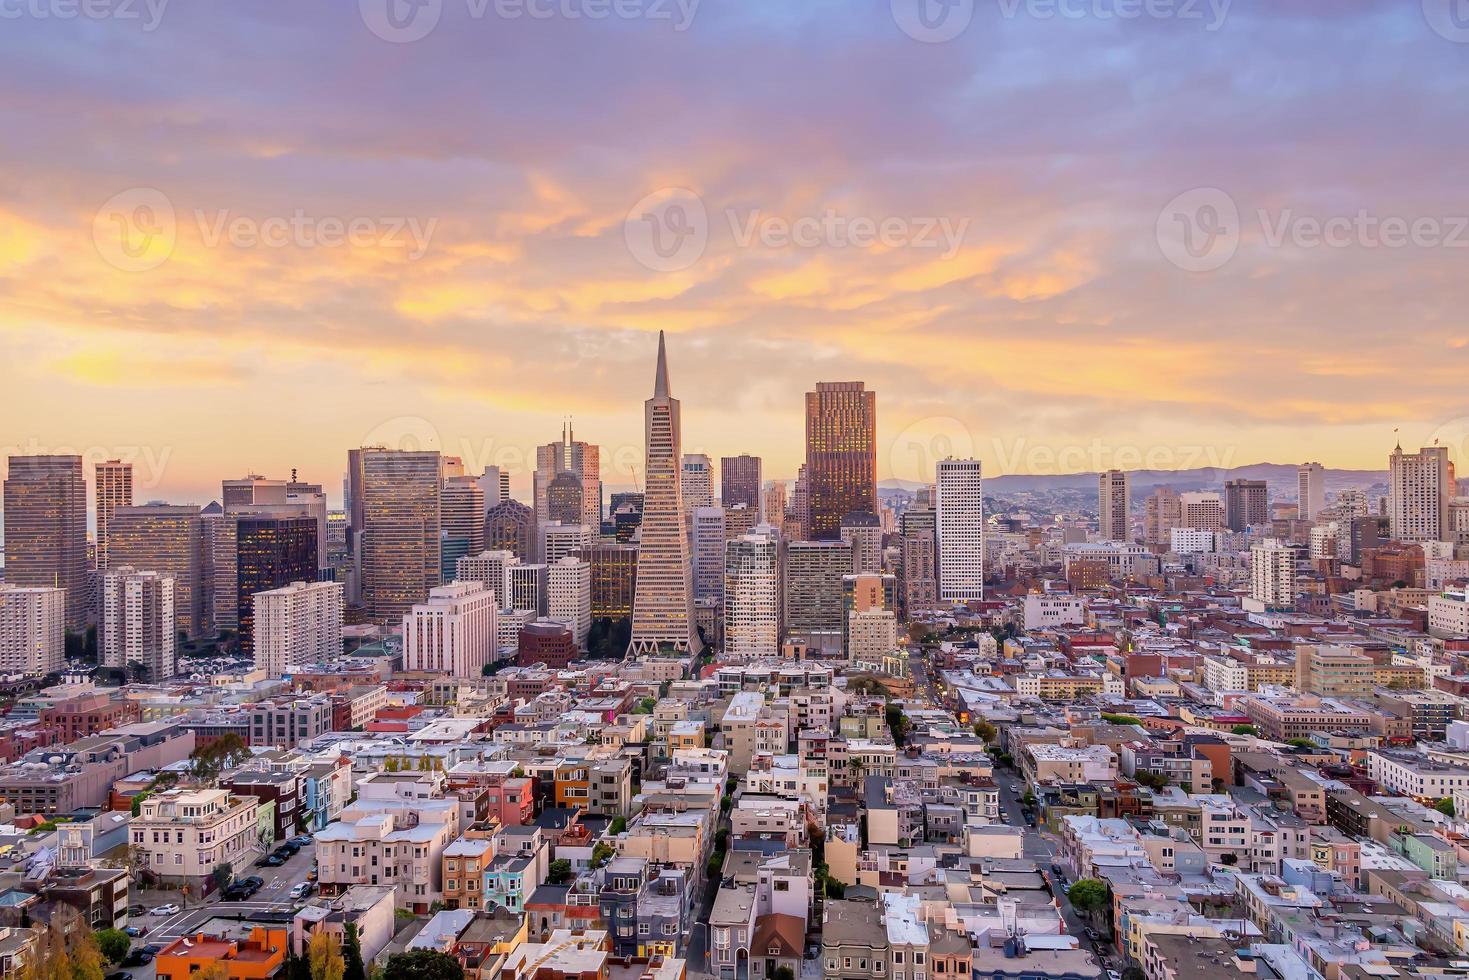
x=1280 y=476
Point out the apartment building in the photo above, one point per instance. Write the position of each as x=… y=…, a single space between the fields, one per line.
x=182 y=835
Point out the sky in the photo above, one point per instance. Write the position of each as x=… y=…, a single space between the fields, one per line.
x=1057 y=235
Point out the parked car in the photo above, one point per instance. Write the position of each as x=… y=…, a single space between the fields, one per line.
x=167 y=908
x=270 y=861
x=301 y=889
x=138 y=957
x=1113 y=975
x=137 y=911
x=119 y=975
x=289 y=846
x=301 y=840
x=1092 y=934
x=136 y=931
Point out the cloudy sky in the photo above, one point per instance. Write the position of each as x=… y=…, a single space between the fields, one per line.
x=1054 y=234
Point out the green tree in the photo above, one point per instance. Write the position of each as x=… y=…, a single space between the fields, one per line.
x=1088 y=896
x=985 y=732
x=352 y=954
x=223 y=874
x=1134 y=973
x=784 y=973
x=423 y=964
x=1300 y=743
x=1245 y=730
x=559 y=872
x=601 y=854
x=114 y=944
x=1445 y=806
x=619 y=824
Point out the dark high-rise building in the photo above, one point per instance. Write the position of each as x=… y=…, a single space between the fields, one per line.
x=564 y=499
x=1245 y=504
x=511 y=526
x=401 y=505
x=625 y=516
x=168 y=539
x=739 y=481
x=270 y=553
x=46 y=529
x=841 y=455
x=614 y=575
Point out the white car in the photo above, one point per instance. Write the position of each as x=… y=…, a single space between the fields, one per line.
x=301 y=890
x=169 y=909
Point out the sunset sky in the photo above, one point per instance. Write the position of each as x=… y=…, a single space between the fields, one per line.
x=1057 y=333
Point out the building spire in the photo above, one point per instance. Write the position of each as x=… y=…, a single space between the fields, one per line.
x=660 y=380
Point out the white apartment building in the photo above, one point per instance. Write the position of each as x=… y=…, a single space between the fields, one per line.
x=696 y=481
x=1416 y=777
x=959 y=529
x=559 y=540
x=1193 y=541
x=296 y=625
x=1311 y=490
x=1222 y=674
x=569 y=597
x=1046 y=609
x=32 y=629
x=872 y=634
x=181 y=833
x=138 y=622
x=1420 y=488
x=453 y=632
x=1113 y=522
x=1272 y=575
x=752 y=596
x=1448 y=614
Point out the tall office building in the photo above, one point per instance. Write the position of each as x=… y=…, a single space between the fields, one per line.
x=560 y=540
x=569 y=597
x=495 y=484
x=270 y=552
x=614 y=576
x=1162 y=512
x=138 y=623
x=707 y=538
x=400 y=536
x=663 y=607
x=462 y=520
x=312 y=499
x=584 y=462
x=296 y=625
x=864 y=533
x=959 y=524
x=525 y=587
x=1272 y=574
x=696 y=482
x=773 y=506
x=841 y=455
x=112 y=484
x=491 y=569
x=1113 y=521
x=46 y=529
x=1201 y=511
x=1311 y=490
x=564 y=500
x=739 y=481
x=798 y=512
x=1421 y=487
x=752 y=596
x=511 y=526
x=167 y=539
x=918 y=574
x=813 y=587
x=220 y=569
x=32 y=629
x=251 y=490
x=452 y=631
x=1246 y=504
x=739 y=520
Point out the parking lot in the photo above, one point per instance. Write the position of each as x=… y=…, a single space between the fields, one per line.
x=273 y=896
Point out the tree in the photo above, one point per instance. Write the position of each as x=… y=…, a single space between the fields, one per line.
x=619 y=824
x=1445 y=806
x=352 y=954
x=985 y=732
x=784 y=973
x=114 y=944
x=645 y=706
x=423 y=964
x=214 y=970
x=1134 y=973
x=559 y=872
x=1300 y=743
x=1121 y=719
x=601 y=854
x=1230 y=859
x=325 y=956
x=223 y=874
x=1245 y=730
x=1087 y=895
x=86 y=958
